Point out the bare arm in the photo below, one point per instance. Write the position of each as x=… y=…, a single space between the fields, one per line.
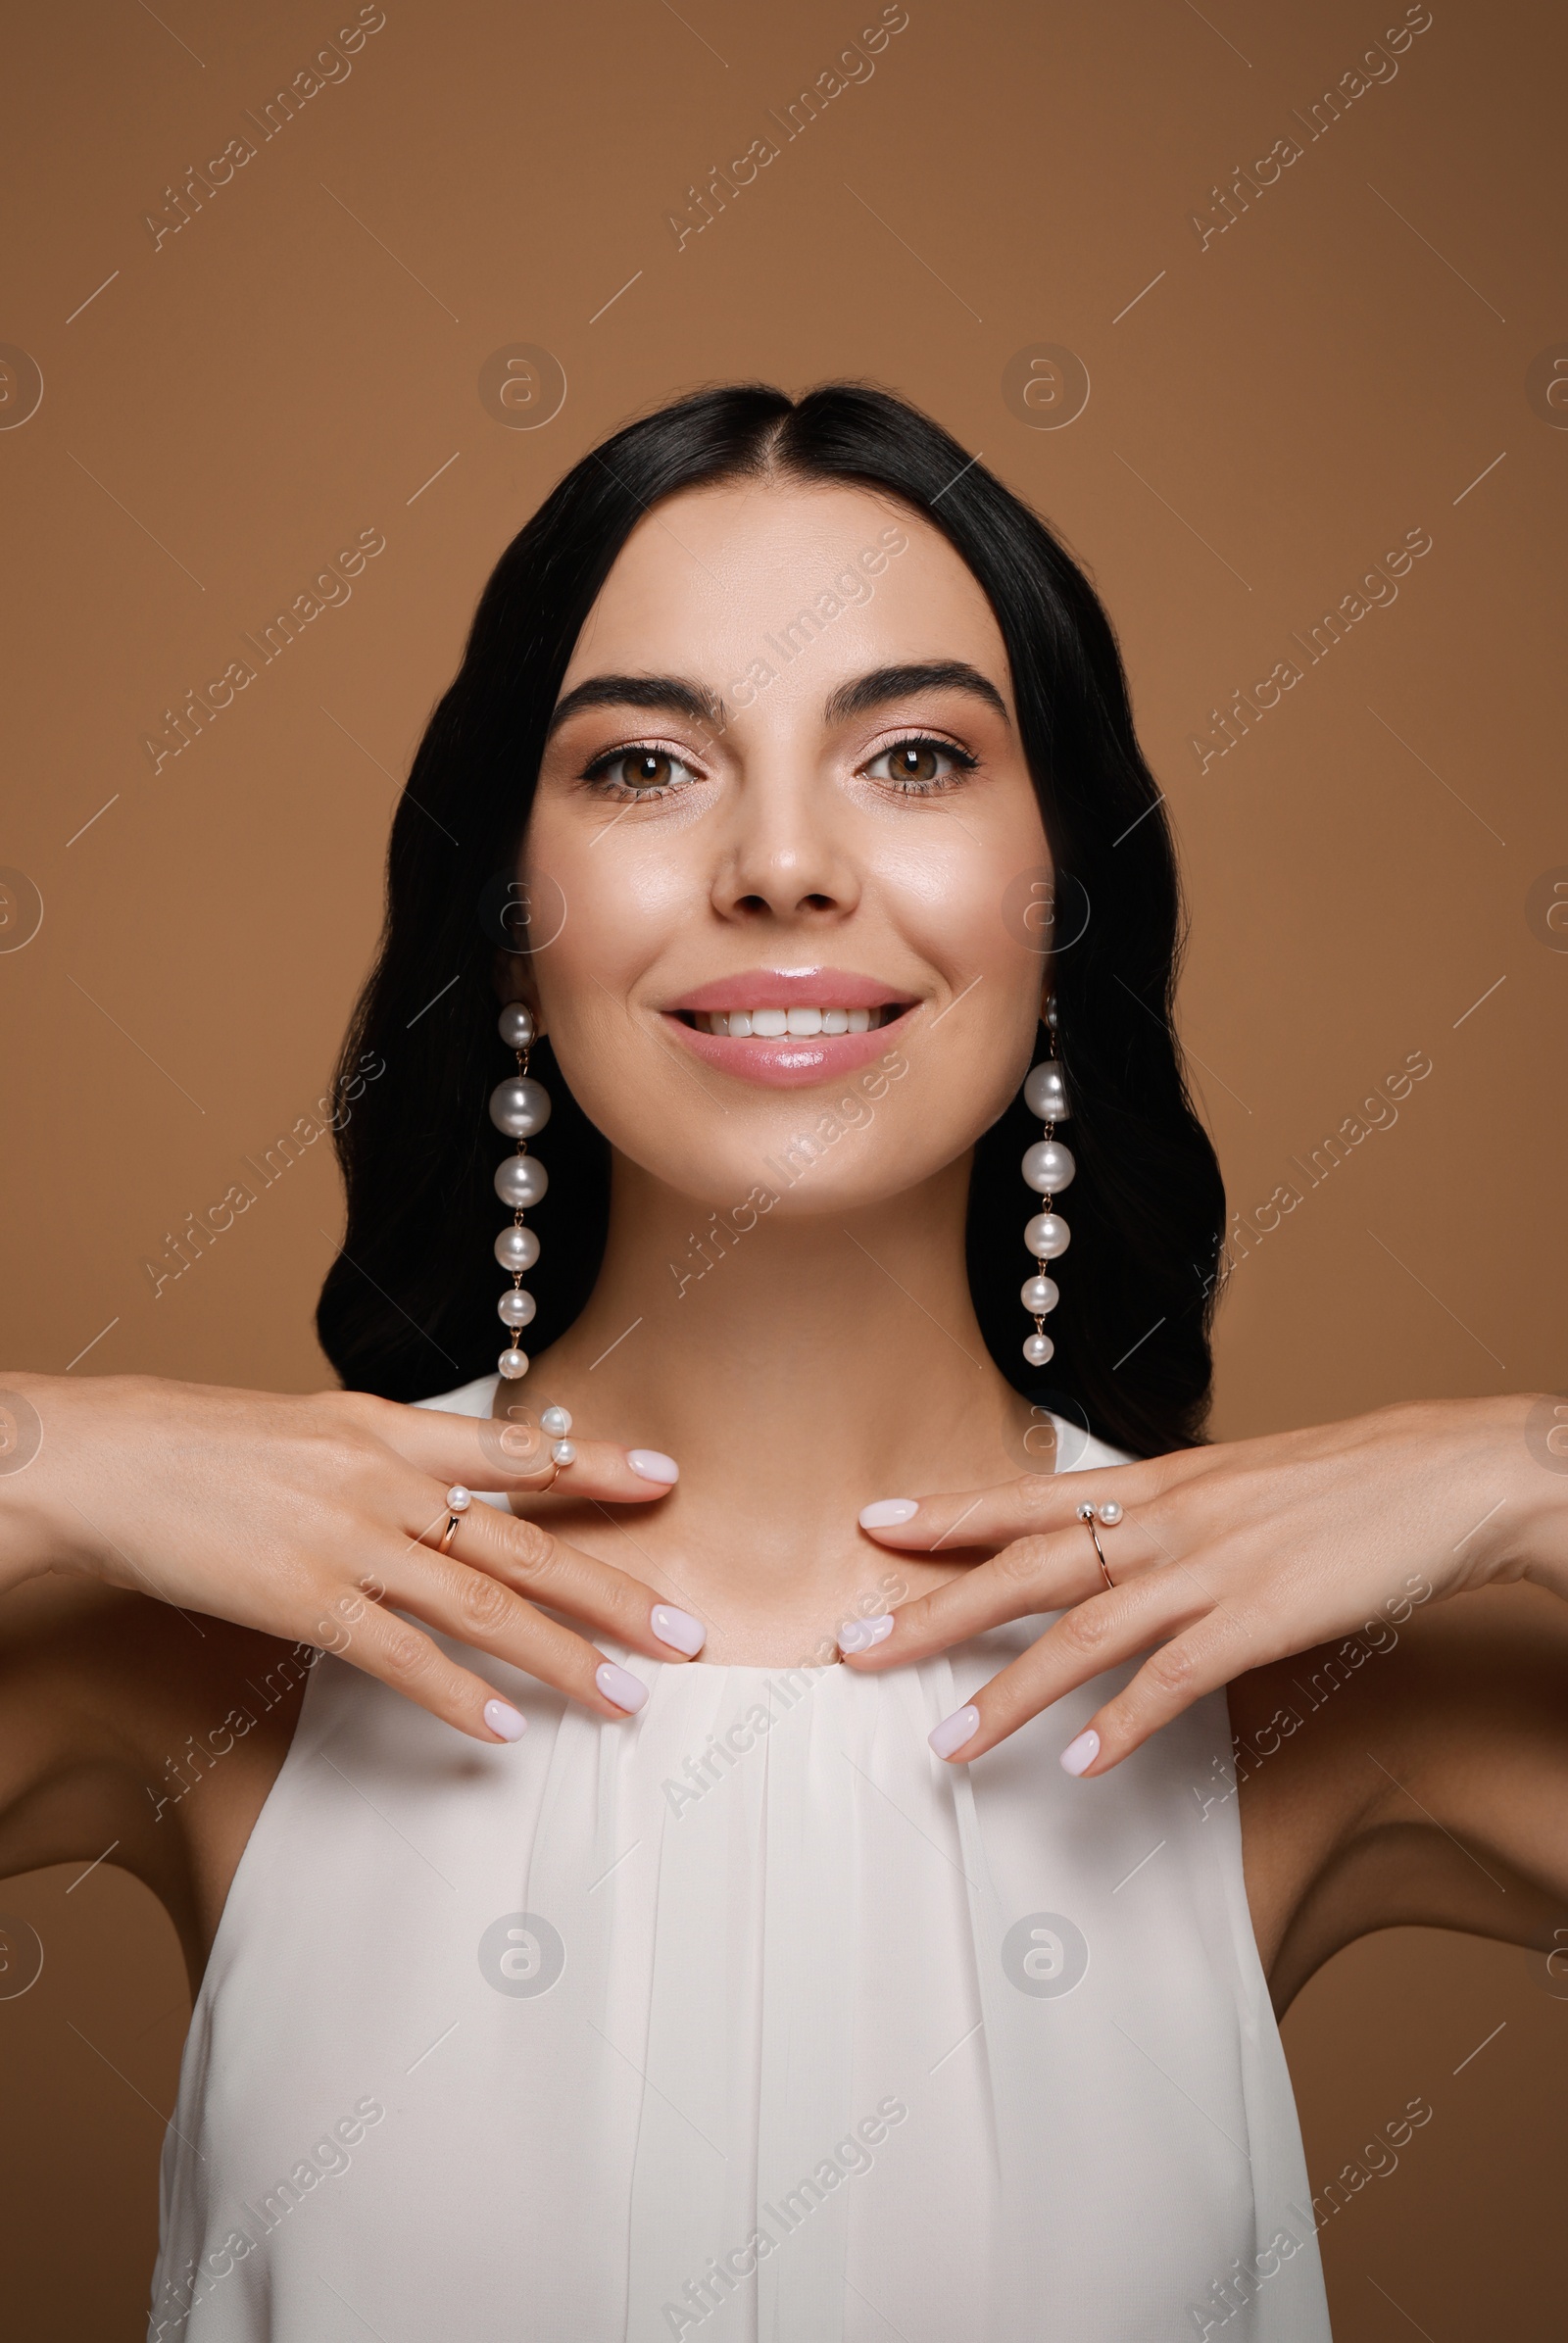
x=1426 y=1784
x=132 y=1734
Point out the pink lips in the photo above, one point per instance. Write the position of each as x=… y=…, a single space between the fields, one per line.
x=788 y=988
x=791 y=1061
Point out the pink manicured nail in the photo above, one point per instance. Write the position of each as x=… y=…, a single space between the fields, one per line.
x=859 y=1635
x=504 y=1720
x=678 y=1629
x=1080 y=1755
x=955 y=1730
x=621 y=1685
x=651 y=1464
x=888 y=1512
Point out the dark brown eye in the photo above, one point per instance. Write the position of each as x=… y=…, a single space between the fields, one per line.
x=915 y=761
x=640 y=772
x=920 y=767
x=647 y=768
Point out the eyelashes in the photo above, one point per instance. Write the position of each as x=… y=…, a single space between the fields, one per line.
x=922 y=764
x=650 y=784
x=912 y=757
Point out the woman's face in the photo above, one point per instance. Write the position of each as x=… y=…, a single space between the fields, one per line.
x=785 y=788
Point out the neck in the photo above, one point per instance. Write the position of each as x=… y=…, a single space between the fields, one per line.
x=796 y=1367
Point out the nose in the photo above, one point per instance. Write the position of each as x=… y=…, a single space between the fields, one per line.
x=782 y=857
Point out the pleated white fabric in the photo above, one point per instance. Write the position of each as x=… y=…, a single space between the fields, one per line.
x=746 y=2020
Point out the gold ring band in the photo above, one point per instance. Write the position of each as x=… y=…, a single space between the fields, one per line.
x=450 y=1531
x=1086 y=1514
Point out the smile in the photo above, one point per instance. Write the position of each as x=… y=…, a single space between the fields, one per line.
x=788 y=1028
x=773 y=1024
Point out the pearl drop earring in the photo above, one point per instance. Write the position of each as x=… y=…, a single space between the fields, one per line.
x=1049 y=1167
x=520 y=1108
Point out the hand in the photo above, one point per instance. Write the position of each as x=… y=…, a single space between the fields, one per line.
x=304 y=1517
x=1224 y=1558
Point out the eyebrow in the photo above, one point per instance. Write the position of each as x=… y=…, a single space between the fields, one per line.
x=876 y=690
x=673 y=693
x=681 y=697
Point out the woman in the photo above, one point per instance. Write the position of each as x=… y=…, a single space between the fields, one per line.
x=744 y=1961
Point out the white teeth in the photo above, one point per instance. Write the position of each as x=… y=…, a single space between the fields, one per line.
x=772 y=1024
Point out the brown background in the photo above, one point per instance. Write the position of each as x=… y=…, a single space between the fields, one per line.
x=1268 y=417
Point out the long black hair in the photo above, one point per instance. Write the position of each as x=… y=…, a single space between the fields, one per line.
x=408 y=1307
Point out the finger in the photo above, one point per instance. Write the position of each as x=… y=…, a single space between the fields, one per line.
x=1227 y=1640
x=1041 y=1573
x=1033 y=1503
x=354 y=1628
x=1033 y=1573
x=599 y=1468
x=478 y=1607
x=498 y=1452
x=1212 y=1652
x=1112 y=1626
x=525 y=1557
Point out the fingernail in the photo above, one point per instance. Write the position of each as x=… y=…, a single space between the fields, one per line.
x=508 y=1723
x=678 y=1629
x=621 y=1685
x=651 y=1464
x=859 y=1635
x=1080 y=1755
x=887 y=1512
x=955 y=1730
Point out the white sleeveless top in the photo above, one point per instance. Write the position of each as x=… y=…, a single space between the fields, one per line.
x=746 y=2019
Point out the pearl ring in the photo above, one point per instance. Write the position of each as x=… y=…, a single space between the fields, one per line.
x=457 y=1502
x=1111 y=1514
